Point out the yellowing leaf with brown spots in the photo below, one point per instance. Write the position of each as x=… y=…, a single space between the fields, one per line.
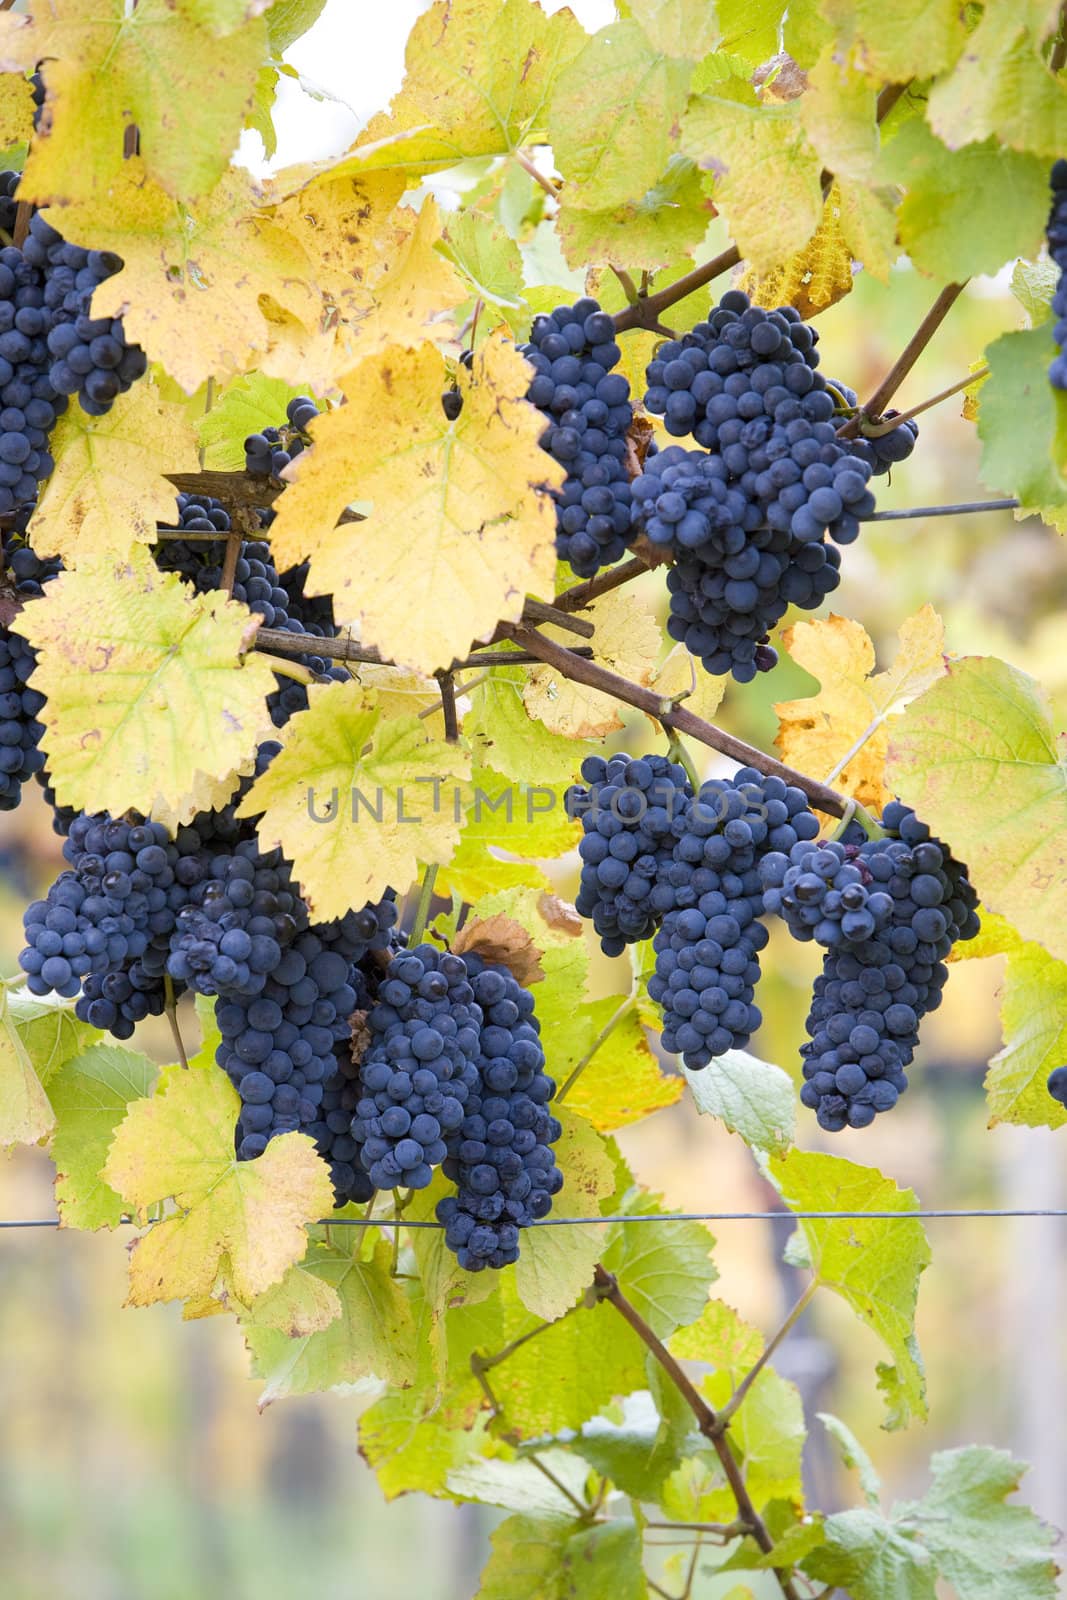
x=812 y=278
x=190 y=291
x=243 y=1220
x=16 y=109
x=108 y=489
x=842 y=733
x=460 y=529
x=479 y=74
x=108 y=65
x=627 y=641
x=148 y=702
x=680 y=677
x=357 y=801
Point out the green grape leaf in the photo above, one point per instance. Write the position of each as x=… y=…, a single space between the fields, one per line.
x=622 y=1081
x=768 y=1432
x=663 y=1268
x=1002 y=87
x=874 y=1266
x=767 y=173
x=978 y=757
x=750 y=28
x=479 y=76
x=638 y=1452
x=853 y=1455
x=530 y=823
x=244 y=1222
x=986 y=1549
x=668 y=220
x=287 y=20
x=752 y=1097
x=838 y=113
x=175 y=711
x=509 y=740
x=26 y=1116
x=559 y=1558
x=485 y=255
x=259 y=116
x=90 y=1095
x=556 y=1264
x=1021 y=423
x=871 y=1558
x=1033 y=1019
x=1033 y=283
x=614 y=114
x=48 y=1029
x=105 y=66
x=686 y=29
x=916 y=40
x=964 y=211
x=247 y=405
x=720 y=1338
x=519 y=1485
x=373 y=1336
x=357 y=801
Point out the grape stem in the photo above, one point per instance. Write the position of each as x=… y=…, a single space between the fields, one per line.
x=708 y=1421
x=776 y=1338
x=914 y=348
x=447 y=685
x=530 y=167
x=422 y=909
x=673 y=717
x=875 y=430
x=676 y=751
x=605 y=1033
x=292 y=669
x=170 y=1006
x=1058 y=57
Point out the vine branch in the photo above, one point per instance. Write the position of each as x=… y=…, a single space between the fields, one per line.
x=710 y=1425
x=787 y=1324
x=674 y=717
x=914 y=348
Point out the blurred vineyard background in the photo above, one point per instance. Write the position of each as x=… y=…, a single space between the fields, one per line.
x=134 y=1464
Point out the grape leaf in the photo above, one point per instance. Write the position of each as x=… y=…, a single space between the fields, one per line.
x=627 y=642
x=108 y=488
x=677 y=676
x=223 y=16
x=986 y=1549
x=90 y=1095
x=248 y=405
x=1020 y=424
x=721 y=1338
x=1001 y=86
x=869 y=225
x=529 y=823
x=486 y=256
x=814 y=277
x=850 y=715
x=175 y=708
x=667 y=221
x=622 y=1082
x=48 y=1029
x=964 y=211
x=373 y=1335
x=686 y=29
x=559 y=1558
x=768 y=1431
x=917 y=39
x=357 y=801
x=508 y=739
x=874 y=1266
x=245 y=1221
x=479 y=74
x=16 y=110
x=870 y=1557
x=287 y=20
x=1033 y=283
x=752 y=1097
x=1033 y=1019
x=197 y=281
x=853 y=1455
x=518 y=1485
x=767 y=174
x=978 y=758
x=464 y=528
x=614 y=115
x=838 y=113
x=106 y=65
x=556 y=1264
x=26 y=1115
x=637 y=1452
x=664 y=1267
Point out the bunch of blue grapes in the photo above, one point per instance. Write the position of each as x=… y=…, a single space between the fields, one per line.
x=628 y=808
x=825 y=892
x=876 y=986
x=267 y=454
x=707 y=950
x=20 y=725
x=500 y=1156
x=586 y=406
x=418 y=1069
x=1056 y=233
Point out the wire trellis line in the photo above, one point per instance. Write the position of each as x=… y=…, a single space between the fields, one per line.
x=923 y=1215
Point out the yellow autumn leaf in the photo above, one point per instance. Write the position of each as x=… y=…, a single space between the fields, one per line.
x=357 y=801
x=108 y=488
x=106 y=65
x=479 y=73
x=377 y=275
x=176 y=708
x=16 y=109
x=397 y=692
x=461 y=528
x=814 y=277
x=244 y=1220
x=26 y=1115
x=627 y=641
x=842 y=734
x=196 y=279
x=678 y=677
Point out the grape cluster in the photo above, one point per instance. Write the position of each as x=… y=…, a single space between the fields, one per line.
x=20 y=725
x=500 y=1157
x=825 y=892
x=267 y=454
x=628 y=808
x=708 y=947
x=418 y=1069
x=876 y=986
x=1056 y=233
x=586 y=405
